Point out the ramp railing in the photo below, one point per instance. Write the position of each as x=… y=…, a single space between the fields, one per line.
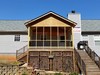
x=80 y=62
x=92 y=55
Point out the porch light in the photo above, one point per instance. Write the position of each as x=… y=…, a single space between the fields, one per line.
x=51 y=56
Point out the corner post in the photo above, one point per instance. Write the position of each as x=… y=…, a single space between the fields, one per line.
x=28 y=36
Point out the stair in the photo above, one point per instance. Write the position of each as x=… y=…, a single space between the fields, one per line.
x=21 y=54
x=91 y=67
x=23 y=57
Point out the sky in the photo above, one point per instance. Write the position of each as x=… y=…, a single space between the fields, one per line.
x=30 y=9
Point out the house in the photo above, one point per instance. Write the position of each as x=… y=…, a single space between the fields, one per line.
x=50 y=43
x=47 y=39
x=91 y=33
x=13 y=35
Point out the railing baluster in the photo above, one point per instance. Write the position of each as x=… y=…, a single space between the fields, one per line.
x=21 y=51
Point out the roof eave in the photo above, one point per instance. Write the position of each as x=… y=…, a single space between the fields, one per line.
x=67 y=20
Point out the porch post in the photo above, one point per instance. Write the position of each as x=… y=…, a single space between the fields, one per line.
x=65 y=35
x=58 y=36
x=36 y=37
x=50 y=37
x=72 y=38
x=43 y=36
x=28 y=36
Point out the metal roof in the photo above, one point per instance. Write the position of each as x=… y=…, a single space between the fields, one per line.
x=90 y=25
x=18 y=25
x=12 y=25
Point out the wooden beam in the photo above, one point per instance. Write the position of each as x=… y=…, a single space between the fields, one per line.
x=28 y=36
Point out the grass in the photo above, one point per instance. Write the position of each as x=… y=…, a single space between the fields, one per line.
x=24 y=73
x=6 y=62
x=73 y=73
x=57 y=74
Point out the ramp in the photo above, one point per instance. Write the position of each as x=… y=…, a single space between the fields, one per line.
x=86 y=64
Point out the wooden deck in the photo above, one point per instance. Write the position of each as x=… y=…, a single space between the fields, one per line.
x=52 y=49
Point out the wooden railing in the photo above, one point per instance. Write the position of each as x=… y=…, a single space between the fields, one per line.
x=80 y=62
x=50 y=43
x=21 y=51
x=93 y=55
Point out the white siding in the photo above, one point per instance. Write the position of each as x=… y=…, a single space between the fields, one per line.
x=8 y=45
x=6 y=38
x=96 y=37
x=91 y=42
x=76 y=17
x=24 y=38
x=85 y=37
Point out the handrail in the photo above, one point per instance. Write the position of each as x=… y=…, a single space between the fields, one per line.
x=21 y=51
x=93 y=55
x=47 y=43
x=80 y=62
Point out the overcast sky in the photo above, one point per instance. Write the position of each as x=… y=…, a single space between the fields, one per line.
x=30 y=9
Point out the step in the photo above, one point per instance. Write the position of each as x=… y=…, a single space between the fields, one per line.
x=88 y=61
x=93 y=73
x=22 y=55
x=84 y=55
x=93 y=69
x=90 y=65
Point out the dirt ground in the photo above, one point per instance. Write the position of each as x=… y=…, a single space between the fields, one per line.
x=7 y=57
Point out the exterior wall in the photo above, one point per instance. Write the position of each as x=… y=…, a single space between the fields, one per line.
x=8 y=45
x=91 y=43
x=76 y=17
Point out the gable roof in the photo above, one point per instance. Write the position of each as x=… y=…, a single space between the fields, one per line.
x=18 y=25
x=49 y=14
x=12 y=26
x=90 y=25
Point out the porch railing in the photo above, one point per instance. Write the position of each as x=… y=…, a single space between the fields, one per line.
x=80 y=62
x=93 y=55
x=21 y=51
x=53 y=43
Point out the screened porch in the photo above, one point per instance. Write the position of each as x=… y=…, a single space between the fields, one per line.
x=51 y=37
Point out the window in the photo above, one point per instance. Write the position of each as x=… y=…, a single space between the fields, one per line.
x=97 y=43
x=97 y=40
x=96 y=37
x=17 y=38
x=85 y=37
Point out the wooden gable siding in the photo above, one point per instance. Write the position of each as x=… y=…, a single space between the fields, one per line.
x=51 y=21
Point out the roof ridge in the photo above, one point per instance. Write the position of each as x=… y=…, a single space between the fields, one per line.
x=11 y=20
x=90 y=19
